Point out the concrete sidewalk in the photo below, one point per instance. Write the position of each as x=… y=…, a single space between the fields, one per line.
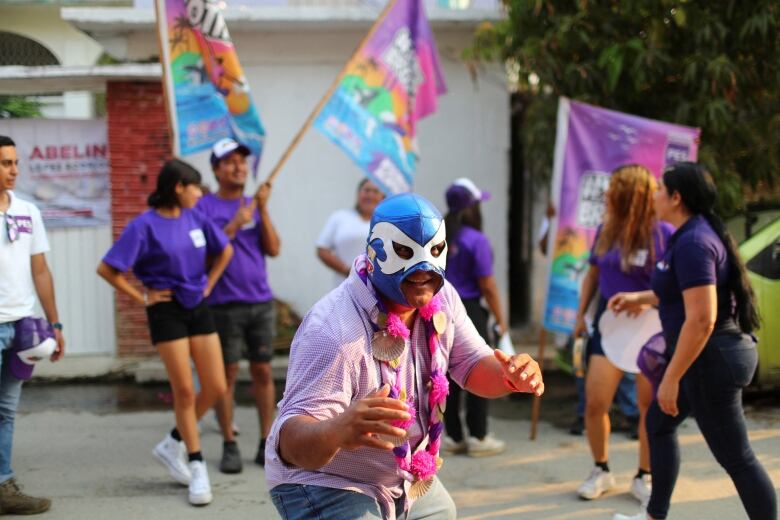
x=141 y=370
x=100 y=466
x=150 y=369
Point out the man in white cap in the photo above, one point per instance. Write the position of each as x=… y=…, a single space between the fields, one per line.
x=23 y=274
x=242 y=300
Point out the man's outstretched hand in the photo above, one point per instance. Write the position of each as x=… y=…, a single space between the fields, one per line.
x=521 y=372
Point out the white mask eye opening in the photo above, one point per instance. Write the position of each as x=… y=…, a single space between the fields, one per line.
x=438 y=249
x=404 y=252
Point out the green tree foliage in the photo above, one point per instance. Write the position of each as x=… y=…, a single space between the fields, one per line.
x=18 y=106
x=714 y=64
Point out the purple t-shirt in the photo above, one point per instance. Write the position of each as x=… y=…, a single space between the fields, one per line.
x=245 y=280
x=695 y=257
x=169 y=253
x=469 y=258
x=612 y=279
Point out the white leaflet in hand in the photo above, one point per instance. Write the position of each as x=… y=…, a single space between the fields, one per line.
x=505 y=345
x=622 y=336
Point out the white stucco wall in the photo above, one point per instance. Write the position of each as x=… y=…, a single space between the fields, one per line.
x=467 y=136
x=70 y=46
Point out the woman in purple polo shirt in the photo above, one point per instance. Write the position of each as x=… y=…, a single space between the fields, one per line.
x=167 y=249
x=624 y=251
x=470 y=271
x=707 y=311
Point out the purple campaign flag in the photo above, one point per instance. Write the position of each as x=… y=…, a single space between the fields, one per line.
x=590 y=143
x=391 y=81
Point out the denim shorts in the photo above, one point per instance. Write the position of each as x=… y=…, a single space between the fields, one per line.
x=246 y=330
x=594 y=341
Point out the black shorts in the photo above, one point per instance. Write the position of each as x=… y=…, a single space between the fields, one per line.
x=169 y=321
x=249 y=325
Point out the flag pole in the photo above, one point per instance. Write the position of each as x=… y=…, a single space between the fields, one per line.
x=537 y=404
x=161 y=18
x=318 y=108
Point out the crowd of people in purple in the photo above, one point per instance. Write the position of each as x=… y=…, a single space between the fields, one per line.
x=378 y=366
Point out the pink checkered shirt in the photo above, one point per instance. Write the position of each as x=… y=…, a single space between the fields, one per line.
x=331 y=366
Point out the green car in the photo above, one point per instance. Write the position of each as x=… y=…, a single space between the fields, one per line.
x=761 y=253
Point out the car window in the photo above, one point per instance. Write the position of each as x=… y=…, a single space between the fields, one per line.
x=767 y=262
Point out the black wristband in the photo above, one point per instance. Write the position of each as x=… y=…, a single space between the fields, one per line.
x=57 y=325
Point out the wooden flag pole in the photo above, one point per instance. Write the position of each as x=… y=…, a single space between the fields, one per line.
x=537 y=405
x=310 y=120
x=161 y=18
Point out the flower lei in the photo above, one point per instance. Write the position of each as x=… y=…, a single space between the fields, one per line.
x=420 y=468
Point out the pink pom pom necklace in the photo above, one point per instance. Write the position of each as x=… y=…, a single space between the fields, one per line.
x=387 y=346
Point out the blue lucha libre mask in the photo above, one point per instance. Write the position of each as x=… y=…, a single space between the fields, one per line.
x=413 y=224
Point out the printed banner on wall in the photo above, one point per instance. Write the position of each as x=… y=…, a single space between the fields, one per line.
x=207 y=92
x=590 y=143
x=63 y=168
x=392 y=81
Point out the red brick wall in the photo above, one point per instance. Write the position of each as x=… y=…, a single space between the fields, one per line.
x=138 y=143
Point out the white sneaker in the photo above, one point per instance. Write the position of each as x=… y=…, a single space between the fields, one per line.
x=597 y=483
x=200 y=487
x=641 y=515
x=485 y=447
x=448 y=445
x=173 y=455
x=641 y=488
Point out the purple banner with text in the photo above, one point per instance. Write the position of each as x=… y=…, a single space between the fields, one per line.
x=590 y=143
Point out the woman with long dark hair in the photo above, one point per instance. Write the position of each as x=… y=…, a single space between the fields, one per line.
x=622 y=258
x=470 y=271
x=707 y=311
x=167 y=248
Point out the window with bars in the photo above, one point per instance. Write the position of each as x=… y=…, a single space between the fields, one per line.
x=19 y=50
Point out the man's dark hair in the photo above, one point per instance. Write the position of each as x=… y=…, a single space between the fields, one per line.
x=6 y=141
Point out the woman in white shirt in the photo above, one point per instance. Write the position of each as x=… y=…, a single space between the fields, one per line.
x=345 y=233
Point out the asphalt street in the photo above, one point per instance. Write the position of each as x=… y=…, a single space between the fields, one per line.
x=99 y=465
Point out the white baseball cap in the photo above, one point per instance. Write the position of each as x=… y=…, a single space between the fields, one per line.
x=225 y=147
x=43 y=350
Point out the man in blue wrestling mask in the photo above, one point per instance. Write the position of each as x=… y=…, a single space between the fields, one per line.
x=360 y=425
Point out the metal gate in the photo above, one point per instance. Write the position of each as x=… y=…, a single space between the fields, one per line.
x=85 y=302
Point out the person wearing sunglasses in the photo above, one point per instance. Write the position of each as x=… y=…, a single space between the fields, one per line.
x=23 y=275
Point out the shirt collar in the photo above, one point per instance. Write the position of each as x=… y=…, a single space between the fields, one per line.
x=362 y=293
x=692 y=222
x=11 y=199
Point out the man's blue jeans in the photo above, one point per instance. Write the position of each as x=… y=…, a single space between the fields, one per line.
x=10 y=390
x=299 y=502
